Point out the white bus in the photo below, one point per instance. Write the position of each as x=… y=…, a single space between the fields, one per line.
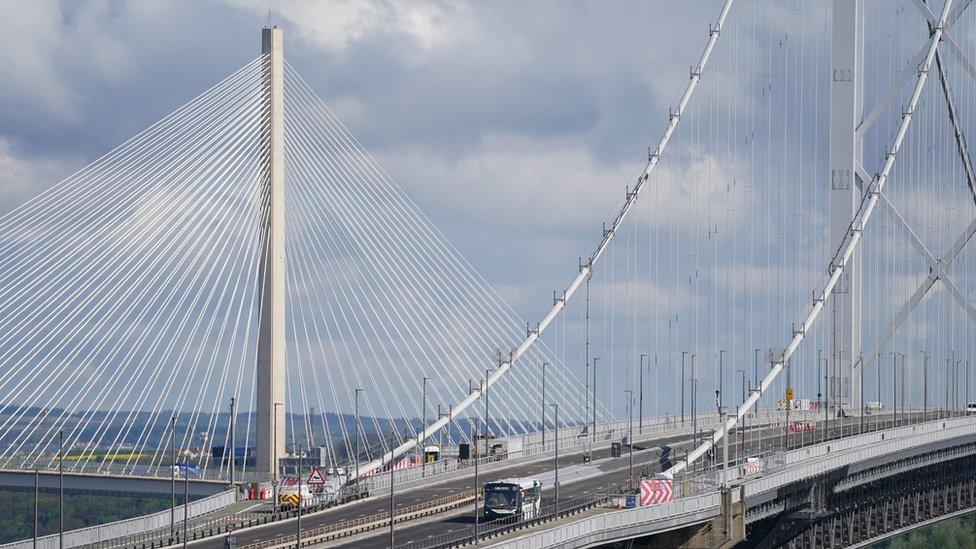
x=511 y=497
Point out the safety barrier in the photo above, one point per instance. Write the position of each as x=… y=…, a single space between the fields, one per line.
x=798 y=465
x=366 y=524
x=96 y=534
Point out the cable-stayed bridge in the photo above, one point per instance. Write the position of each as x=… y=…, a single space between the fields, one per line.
x=241 y=287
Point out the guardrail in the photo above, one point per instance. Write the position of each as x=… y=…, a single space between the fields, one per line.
x=164 y=537
x=797 y=465
x=150 y=471
x=366 y=524
x=499 y=527
x=573 y=442
x=103 y=532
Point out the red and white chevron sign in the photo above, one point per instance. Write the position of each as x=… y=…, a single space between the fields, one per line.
x=797 y=426
x=655 y=491
x=753 y=466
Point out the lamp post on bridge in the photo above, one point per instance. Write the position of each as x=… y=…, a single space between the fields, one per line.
x=358 y=434
x=683 y=355
x=630 y=435
x=947 y=382
x=275 y=464
x=555 y=484
x=423 y=431
x=694 y=398
x=894 y=390
x=477 y=458
x=61 y=488
x=925 y=385
x=721 y=375
x=186 y=497
x=172 y=508
x=955 y=384
x=487 y=411
x=722 y=412
x=755 y=372
x=593 y=434
x=392 y=503
x=298 y=521
x=640 y=409
x=233 y=443
x=37 y=489
x=543 y=425
x=902 y=399
x=742 y=433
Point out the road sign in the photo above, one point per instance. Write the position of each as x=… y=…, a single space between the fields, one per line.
x=231 y=527
x=274 y=482
x=315 y=477
x=656 y=491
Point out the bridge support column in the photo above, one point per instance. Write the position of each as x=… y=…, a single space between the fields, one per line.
x=846 y=103
x=271 y=337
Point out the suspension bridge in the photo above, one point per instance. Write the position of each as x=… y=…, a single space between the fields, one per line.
x=775 y=322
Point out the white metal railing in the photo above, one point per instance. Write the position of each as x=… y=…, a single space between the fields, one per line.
x=155 y=471
x=571 y=441
x=127 y=527
x=798 y=465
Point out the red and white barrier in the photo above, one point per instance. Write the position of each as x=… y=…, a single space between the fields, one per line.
x=656 y=491
x=797 y=426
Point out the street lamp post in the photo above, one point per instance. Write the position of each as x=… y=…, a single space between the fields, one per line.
x=894 y=390
x=630 y=435
x=721 y=375
x=298 y=523
x=955 y=385
x=358 y=434
x=186 y=497
x=755 y=369
x=392 y=506
x=742 y=432
x=487 y=410
x=640 y=409
x=233 y=441
x=902 y=399
x=555 y=484
x=826 y=402
x=694 y=397
x=276 y=464
x=423 y=430
x=172 y=476
x=593 y=435
x=61 y=489
x=683 y=355
x=722 y=411
x=474 y=428
x=37 y=489
x=925 y=386
x=543 y=426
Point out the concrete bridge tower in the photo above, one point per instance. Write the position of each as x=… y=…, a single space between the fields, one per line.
x=272 y=354
x=846 y=105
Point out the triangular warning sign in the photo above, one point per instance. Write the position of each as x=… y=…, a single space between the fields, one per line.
x=315 y=477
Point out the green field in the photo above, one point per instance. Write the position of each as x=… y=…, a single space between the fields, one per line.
x=17 y=515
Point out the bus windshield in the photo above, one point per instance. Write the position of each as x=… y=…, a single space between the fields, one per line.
x=501 y=496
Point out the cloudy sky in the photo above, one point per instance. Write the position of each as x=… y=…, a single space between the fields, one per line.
x=514 y=125
x=475 y=108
